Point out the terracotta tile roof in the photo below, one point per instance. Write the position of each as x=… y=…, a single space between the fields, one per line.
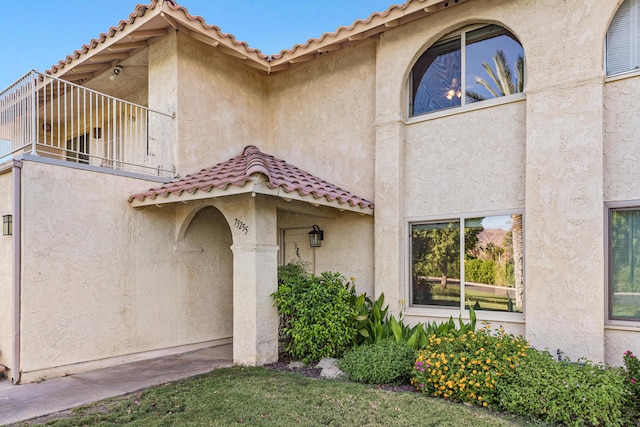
x=343 y=29
x=168 y=14
x=239 y=171
x=140 y=11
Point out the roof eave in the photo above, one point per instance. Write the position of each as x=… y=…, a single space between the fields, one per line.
x=145 y=25
x=253 y=188
x=376 y=24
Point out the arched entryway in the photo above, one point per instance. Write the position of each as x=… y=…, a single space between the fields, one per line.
x=204 y=262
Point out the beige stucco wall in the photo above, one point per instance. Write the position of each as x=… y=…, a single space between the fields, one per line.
x=101 y=280
x=322 y=114
x=469 y=162
x=621 y=174
x=553 y=167
x=6 y=272
x=347 y=247
x=621 y=142
x=221 y=104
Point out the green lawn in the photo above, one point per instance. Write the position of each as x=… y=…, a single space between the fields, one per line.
x=257 y=396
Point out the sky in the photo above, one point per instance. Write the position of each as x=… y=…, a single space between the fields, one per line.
x=37 y=34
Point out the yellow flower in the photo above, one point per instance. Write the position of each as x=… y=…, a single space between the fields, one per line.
x=484 y=404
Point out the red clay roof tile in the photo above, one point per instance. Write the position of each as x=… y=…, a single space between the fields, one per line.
x=238 y=171
x=141 y=10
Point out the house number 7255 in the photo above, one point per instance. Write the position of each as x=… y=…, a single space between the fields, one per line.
x=241 y=226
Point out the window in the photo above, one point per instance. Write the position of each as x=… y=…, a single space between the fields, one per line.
x=468 y=262
x=623 y=39
x=78 y=149
x=481 y=63
x=624 y=264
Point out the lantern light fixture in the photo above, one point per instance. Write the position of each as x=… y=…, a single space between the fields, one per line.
x=7 y=225
x=316 y=236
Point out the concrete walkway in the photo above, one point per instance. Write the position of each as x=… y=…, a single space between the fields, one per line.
x=23 y=402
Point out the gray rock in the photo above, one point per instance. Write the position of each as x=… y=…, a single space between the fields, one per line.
x=327 y=362
x=331 y=372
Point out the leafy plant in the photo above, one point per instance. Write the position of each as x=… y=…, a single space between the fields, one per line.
x=370 y=320
x=466 y=367
x=317 y=313
x=632 y=365
x=385 y=362
x=567 y=393
x=374 y=325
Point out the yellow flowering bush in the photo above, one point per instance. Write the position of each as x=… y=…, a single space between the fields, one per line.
x=466 y=367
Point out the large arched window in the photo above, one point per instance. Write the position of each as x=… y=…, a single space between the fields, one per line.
x=623 y=39
x=479 y=62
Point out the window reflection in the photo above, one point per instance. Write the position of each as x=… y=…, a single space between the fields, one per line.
x=436 y=264
x=494 y=67
x=492 y=263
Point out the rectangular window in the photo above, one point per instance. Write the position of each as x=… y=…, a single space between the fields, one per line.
x=78 y=149
x=624 y=264
x=468 y=262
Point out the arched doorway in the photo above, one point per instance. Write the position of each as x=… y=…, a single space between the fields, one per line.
x=205 y=274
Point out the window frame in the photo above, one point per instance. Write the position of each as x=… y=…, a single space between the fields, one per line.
x=444 y=311
x=634 y=29
x=610 y=207
x=461 y=35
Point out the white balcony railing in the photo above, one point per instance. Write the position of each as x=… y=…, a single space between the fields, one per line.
x=53 y=118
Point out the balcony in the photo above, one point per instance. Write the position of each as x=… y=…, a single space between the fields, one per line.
x=49 y=117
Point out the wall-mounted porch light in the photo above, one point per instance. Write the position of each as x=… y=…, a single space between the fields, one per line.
x=7 y=225
x=115 y=72
x=316 y=236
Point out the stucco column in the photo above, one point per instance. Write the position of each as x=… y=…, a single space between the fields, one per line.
x=389 y=241
x=255 y=278
x=564 y=222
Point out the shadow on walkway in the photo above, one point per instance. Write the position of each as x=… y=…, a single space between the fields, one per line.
x=23 y=402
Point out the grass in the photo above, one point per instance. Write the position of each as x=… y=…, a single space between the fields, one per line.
x=260 y=397
x=451 y=297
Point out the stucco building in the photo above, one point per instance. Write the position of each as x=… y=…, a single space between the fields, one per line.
x=456 y=154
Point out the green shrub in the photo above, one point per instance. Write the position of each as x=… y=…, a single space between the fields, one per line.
x=317 y=313
x=632 y=365
x=480 y=271
x=567 y=393
x=385 y=362
x=466 y=367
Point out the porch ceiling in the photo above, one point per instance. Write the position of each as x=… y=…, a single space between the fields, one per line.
x=257 y=173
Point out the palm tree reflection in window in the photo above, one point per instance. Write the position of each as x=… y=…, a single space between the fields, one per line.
x=502 y=81
x=453 y=67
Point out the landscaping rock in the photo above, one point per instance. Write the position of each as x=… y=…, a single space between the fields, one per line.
x=327 y=362
x=331 y=372
x=329 y=368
